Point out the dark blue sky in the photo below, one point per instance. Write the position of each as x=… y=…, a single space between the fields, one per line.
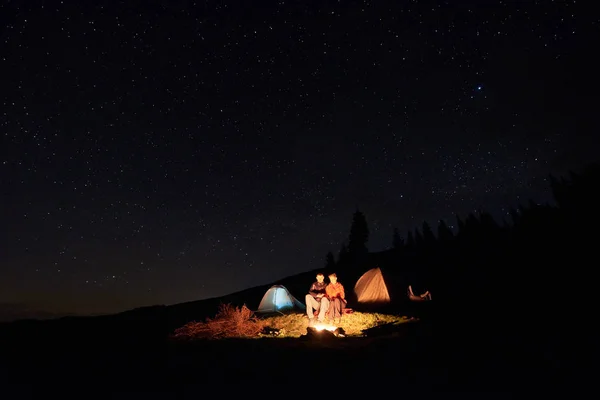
x=161 y=152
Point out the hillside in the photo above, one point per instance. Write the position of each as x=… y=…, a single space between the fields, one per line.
x=514 y=310
x=163 y=319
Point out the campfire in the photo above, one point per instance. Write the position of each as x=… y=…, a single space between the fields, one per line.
x=328 y=327
x=324 y=331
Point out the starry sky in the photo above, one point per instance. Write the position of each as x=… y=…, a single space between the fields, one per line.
x=160 y=152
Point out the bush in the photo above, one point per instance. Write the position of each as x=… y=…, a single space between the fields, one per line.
x=230 y=322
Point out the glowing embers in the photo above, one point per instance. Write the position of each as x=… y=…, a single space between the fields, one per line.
x=324 y=332
x=327 y=327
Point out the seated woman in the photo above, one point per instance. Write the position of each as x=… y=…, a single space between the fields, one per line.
x=337 y=299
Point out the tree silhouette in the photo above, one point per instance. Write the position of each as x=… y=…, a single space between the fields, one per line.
x=343 y=255
x=460 y=224
x=329 y=261
x=359 y=235
x=514 y=215
x=428 y=236
x=472 y=222
x=418 y=238
x=533 y=204
x=410 y=240
x=444 y=232
x=483 y=257
x=557 y=189
x=487 y=221
x=397 y=241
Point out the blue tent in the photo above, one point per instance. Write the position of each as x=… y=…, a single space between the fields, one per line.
x=279 y=299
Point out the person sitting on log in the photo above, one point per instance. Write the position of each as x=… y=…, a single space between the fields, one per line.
x=337 y=299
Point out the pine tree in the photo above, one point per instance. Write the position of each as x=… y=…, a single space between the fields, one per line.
x=514 y=215
x=557 y=191
x=533 y=205
x=359 y=234
x=460 y=225
x=330 y=261
x=418 y=238
x=410 y=240
x=398 y=241
x=444 y=232
x=343 y=255
x=487 y=221
x=428 y=236
x=472 y=222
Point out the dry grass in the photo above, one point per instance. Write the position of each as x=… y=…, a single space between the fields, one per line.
x=294 y=325
x=232 y=322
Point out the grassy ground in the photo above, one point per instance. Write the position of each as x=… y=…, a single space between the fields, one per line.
x=241 y=323
x=294 y=325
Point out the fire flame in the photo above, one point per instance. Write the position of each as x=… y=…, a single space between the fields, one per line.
x=327 y=327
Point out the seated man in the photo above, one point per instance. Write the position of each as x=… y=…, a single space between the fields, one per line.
x=337 y=299
x=316 y=300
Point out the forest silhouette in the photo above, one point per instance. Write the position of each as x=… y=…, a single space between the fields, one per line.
x=539 y=258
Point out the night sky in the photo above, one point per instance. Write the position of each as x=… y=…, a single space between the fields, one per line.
x=161 y=152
